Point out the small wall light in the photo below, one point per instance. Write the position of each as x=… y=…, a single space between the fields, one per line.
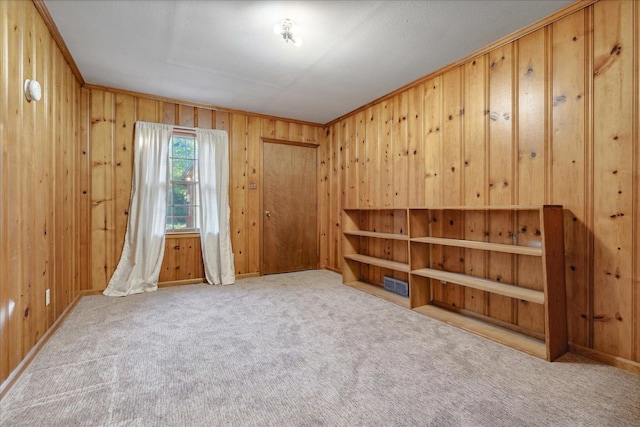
x=32 y=90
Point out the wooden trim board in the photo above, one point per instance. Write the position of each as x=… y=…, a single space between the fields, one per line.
x=470 y=244
x=483 y=284
x=378 y=262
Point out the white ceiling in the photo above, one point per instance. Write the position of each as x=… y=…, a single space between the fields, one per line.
x=224 y=53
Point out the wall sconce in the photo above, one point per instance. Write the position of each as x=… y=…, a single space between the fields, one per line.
x=32 y=90
x=288 y=32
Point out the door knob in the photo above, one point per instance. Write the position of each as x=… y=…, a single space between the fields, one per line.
x=267 y=214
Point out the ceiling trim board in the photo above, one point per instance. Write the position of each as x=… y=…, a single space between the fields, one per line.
x=567 y=10
x=197 y=104
x=57 y=37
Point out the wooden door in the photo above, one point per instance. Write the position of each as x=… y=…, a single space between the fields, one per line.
x=289 y=231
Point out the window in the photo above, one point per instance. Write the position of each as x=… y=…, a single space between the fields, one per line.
x=183 y=201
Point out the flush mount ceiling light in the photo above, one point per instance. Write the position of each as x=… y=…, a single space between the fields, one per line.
x=288 y=31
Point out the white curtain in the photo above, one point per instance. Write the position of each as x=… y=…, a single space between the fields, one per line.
x=215 y=230
x=139 y=266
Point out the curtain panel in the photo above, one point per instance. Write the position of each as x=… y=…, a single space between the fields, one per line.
x=139 y=267
x=215 y=228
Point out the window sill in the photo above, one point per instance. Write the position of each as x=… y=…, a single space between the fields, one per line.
x=181 y=235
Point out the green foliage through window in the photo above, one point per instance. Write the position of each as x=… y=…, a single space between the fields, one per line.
x=184 y=198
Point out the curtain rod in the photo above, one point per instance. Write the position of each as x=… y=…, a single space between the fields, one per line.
x=185 y=128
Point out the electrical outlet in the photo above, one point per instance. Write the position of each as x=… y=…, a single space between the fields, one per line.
x=47 y=297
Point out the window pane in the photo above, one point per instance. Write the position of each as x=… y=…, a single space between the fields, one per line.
x=169 y=222
x=184 y=147
x=183 y=170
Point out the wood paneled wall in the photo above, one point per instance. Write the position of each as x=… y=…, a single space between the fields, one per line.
x=550 y=117
x=39 y=212
x=108 y=125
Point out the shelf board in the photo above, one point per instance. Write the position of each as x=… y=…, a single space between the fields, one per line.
x=483 y=284
x=378 y=235
x=486 y=246
x=384 y=208
x=515 y=340
x=486 y=208
x=380 y=292
x=379 y=262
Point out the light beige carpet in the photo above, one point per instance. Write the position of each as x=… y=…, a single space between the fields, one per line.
x=297 y=349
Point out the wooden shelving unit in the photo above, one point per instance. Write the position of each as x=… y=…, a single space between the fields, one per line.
x=465 y=252
x=376 y=245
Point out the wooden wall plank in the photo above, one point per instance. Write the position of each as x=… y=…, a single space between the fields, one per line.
x=222 y=121
x=373 y=161
x=26 y=186
x=282 y=130
x=58 y=189
x=430 y=173
x=501 y=173
x=148 y=110
x=475 y=176
x=341 y=154
x=450 y=191
x=613 y=176
x=204 y=118
x=85 y=190
x=532 y=105
x=5 y=367
x=416 y=147
x=52 y=107
x=238 y=185
x=186 y=116
x=360 y=142
x=295 y=132
x=268 y=128
x=636 y=184
x=42 y=188
x=125 y=118
x=102 y=220
x=400 y=151
x=531 y=152
x=324 y=198
x=373 y=156
x=334 y=201
x=309 y=134
x=569 y=167
x=169 y=113
x=254 y=210
x=351 y=164
x=452 y=145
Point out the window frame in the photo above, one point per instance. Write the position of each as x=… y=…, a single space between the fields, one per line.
x=194 y=204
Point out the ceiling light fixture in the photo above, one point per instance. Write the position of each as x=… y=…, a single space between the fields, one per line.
x=288 y=31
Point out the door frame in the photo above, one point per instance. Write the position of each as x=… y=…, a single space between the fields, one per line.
x=263 y=141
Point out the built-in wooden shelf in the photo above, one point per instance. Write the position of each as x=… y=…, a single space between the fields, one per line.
x=432 y=245
x=483 y=284
x=377 y=235
x=486 y=246
x=378 y=262
x=380 y=292
x=504 y=336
